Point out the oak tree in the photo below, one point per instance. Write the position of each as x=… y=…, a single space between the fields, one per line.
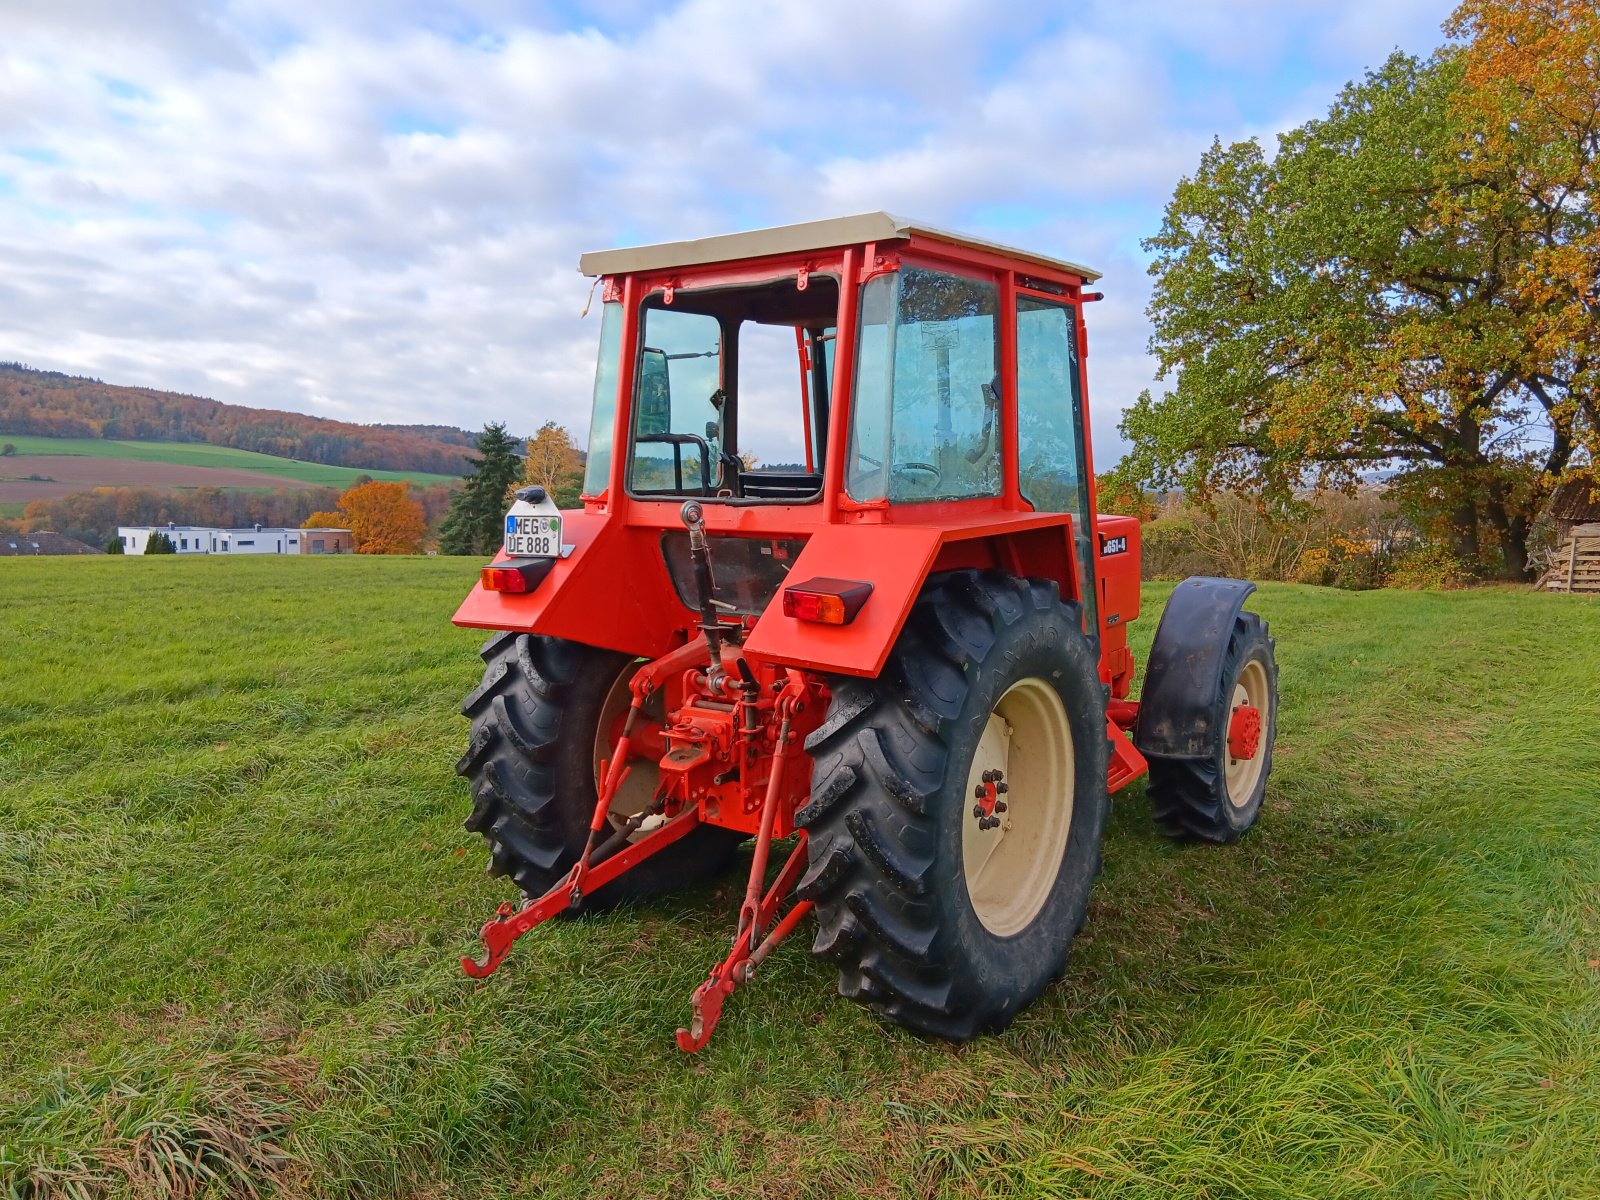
x=1528 y=129
x=1336 y=310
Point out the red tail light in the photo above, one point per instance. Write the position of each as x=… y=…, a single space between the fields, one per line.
x=524 y=578
x=825 y=601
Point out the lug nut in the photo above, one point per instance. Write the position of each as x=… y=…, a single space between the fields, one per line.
x=1002 y=788
x=978 y=792
x=977 y=811
x=1000 y=806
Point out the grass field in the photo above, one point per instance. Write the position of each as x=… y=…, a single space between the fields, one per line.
x=233 y=885
x=193 y=454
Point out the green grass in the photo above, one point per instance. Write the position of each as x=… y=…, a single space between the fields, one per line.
x=233 y=885
x=193 y=454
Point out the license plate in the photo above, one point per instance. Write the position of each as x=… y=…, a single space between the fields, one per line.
x=533 y=537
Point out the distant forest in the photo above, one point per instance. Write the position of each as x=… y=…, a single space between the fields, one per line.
x=50 y=404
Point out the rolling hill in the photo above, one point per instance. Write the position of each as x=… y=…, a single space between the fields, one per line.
x=52 y=404
x=50 y=468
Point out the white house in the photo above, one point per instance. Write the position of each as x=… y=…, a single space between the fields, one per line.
x=258 y=539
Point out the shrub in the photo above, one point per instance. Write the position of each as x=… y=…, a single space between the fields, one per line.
x=1354 y=563
x=1168 y=550
x=1429 y=568
x=1315 y=567
x=160 y=543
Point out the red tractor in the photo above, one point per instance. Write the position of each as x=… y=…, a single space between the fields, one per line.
x=873 y=621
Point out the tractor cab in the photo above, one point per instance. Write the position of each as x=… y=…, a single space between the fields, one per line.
x=864 y=370
x=838 y=586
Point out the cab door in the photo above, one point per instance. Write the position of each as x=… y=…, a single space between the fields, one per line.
x=1052 y=471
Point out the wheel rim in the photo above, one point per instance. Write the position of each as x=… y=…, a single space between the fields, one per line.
x=639 y=787
x=1244 y=773
x=1011 y=868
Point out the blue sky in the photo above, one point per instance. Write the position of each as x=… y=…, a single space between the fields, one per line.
x=373 y=211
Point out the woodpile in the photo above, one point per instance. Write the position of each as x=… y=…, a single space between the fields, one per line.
x=1576 y=565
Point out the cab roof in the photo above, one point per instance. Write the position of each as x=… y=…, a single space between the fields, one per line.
x=794 y=239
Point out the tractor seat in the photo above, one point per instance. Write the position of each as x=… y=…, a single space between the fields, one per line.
x=780 y=485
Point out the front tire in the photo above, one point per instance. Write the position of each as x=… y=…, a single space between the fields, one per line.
x=990 y=669
x=540 y=720
x=1218 y=797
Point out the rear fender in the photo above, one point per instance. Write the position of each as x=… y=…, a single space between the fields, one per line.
x=897 y=560
x=611 y=591
x=1185 y=665
x=894 y=559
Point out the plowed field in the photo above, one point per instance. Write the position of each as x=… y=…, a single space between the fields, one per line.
x=63 y=474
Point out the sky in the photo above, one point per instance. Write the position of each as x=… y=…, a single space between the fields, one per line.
x=373 y=210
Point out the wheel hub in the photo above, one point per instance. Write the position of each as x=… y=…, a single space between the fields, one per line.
x=1247 y=733
x=987 y=794
x=644 y=776
x=1021 y=781
x=1244 y=732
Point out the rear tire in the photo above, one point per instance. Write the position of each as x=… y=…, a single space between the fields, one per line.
x=531 y=764
x=892 y=799
x=1218 y=798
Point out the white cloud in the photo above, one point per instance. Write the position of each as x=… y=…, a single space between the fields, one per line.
x=374 y=211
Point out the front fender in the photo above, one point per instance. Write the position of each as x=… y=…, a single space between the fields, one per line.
x=1178 y=702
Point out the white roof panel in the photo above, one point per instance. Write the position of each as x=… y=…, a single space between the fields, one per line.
x=791 y=239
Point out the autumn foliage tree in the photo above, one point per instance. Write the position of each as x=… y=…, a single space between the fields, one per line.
x=1402 y=287
x=1115 y=493
x=554 y=464
x=1528 y=125
x=382 y=519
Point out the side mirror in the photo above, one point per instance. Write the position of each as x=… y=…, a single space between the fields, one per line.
x=655 y=393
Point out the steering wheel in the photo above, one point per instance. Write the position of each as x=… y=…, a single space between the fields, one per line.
x=921 y=474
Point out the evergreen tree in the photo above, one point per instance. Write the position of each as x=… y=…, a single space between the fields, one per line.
x=160 y=543
x=476 y=519
x=114 y=546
